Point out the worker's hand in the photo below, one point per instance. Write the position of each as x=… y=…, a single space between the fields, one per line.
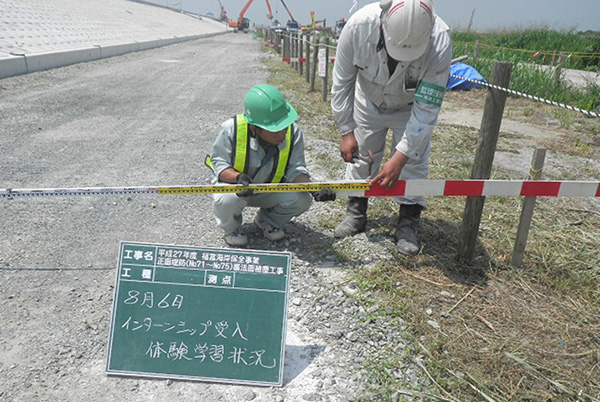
x=348 y=147
x=244 y=180
x=390 y=171
x=326 y=194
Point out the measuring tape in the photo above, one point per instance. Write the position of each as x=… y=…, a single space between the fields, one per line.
x=349 y=187
x=444 y=188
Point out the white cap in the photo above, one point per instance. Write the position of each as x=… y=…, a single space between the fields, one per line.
x=407 y=27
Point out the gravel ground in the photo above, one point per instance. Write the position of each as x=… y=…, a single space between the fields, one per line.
x=147 y=119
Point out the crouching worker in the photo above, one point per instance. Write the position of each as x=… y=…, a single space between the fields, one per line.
x=262 y=145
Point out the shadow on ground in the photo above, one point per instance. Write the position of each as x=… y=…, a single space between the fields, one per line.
x=439 y=242
x=297 y=359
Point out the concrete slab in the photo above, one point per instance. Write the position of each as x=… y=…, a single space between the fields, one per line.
x=12 y=65
x=46 y=61
x=118 y=49
x=52 y=33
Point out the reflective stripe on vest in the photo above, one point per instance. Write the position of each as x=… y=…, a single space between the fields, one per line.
x=241 y=139
x=284 y=157
x=241 y=156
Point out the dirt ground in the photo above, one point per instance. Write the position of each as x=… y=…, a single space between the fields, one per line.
x=527 y=125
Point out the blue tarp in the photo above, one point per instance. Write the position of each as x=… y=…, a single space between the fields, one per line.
x=463 y=70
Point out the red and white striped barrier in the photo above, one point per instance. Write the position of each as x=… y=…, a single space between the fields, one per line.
x=507 y=188
x=294 y=59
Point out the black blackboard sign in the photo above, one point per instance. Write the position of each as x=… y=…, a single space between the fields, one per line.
x=199 y=314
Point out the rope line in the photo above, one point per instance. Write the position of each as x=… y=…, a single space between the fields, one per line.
x=524 y=95
x=306 y=41
x=539 y=52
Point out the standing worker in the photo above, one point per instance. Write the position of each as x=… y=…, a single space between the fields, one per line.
x=391 y=69
x=262 y=145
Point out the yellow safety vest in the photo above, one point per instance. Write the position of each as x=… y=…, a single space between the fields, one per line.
x=240 y=157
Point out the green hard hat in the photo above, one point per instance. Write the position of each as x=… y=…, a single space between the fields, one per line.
x=265 y=107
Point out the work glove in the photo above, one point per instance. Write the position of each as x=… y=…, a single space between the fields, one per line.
x=244 y=180
x=326 y=194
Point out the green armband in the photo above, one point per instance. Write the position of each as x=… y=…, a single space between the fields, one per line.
x=430 y=93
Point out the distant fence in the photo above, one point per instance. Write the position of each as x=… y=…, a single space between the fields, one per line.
x=309 y=53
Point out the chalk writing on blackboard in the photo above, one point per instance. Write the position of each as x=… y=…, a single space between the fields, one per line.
x=199 y=313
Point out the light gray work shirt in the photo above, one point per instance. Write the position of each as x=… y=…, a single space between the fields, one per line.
x=223 y=151
x=361 y=73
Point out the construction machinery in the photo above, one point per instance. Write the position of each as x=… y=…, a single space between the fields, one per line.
x=339 y=25
x=243 y=23
x=292 y=24
x=223 y=13
x=314 y=22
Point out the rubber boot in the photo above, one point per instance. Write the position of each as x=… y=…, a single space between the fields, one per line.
x=406 y=229
x=356 y=218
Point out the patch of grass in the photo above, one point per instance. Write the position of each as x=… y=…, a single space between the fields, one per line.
x=485 y=331
x=544 y=39
x=534 y=80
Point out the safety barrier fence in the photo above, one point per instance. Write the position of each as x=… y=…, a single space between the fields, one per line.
x=306 y=52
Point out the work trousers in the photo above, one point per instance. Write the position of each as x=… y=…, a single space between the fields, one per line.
x=276 y=209
x=371 y=135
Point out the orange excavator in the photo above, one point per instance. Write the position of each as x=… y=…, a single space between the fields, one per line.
x=243 y=23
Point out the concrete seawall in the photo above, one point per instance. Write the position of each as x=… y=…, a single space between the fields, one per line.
x=44 y=34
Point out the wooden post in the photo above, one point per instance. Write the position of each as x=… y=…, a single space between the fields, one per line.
x=297 y=41
x=535 y=173
x=295 y=49
x=553 y=58
x=301 y=54
x=326 y=78
x=291 y=53
x=308 y=58
x=313 y=73
x=484 y=158
x=286 y=46
x=559 y=66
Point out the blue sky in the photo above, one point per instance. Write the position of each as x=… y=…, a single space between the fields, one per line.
x=488 y=14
